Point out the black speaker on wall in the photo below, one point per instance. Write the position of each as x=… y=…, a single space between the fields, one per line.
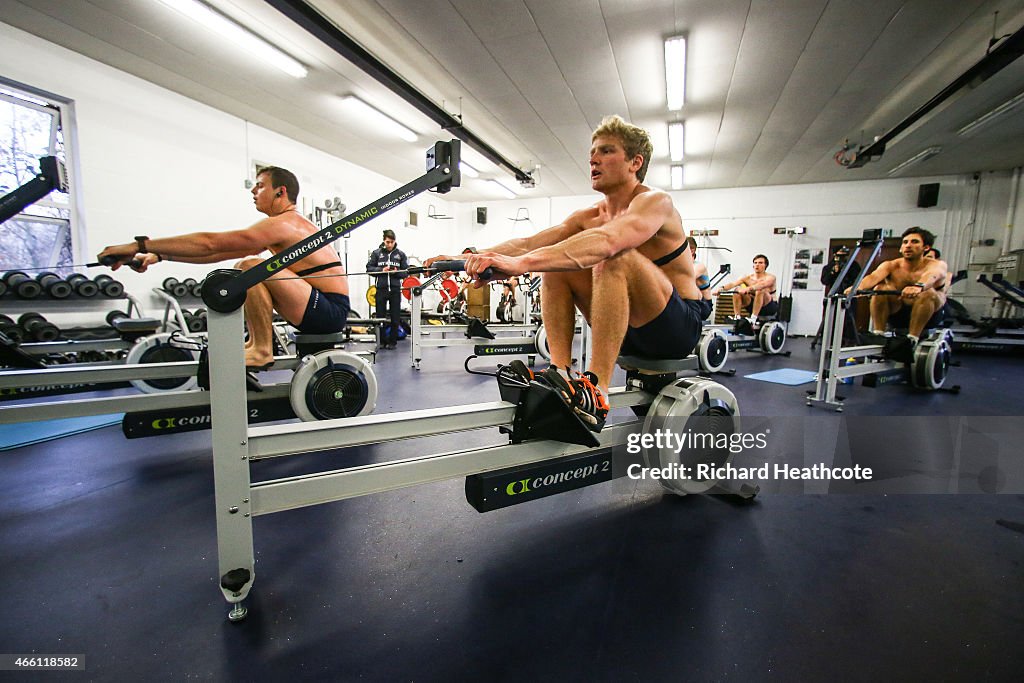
x=928 y=195
x=481 y=215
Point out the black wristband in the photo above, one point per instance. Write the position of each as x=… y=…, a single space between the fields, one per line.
x=140 y=242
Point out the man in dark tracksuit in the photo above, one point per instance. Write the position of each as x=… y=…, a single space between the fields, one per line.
x=388 y=257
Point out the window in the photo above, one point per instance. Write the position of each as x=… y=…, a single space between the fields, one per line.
x=43 y=235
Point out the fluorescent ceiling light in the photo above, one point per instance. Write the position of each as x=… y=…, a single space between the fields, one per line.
x=694 y=174
x=676 y=140
x=677 y=177
x=378 y=119
x=478 y=160
x=675 y=72
x=915 y=160
x=468 y=170
x=503 y=189
x=256 y=46
x=991 y=117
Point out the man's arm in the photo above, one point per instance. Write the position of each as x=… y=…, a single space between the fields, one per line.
x=202 y=247
x=875 y=277
x=934 y=275
x=769 y=284
x=545 y=238
x=735 y=283
x=644 y=217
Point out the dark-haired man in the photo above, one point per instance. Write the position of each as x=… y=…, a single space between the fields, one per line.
x=756 y=291
x=921 y=282
x=317 y=306
x=393 y=265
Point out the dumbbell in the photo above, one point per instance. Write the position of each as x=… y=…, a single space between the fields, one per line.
x=92 y=357
x=37 y=327
x=114 y=316
x=53 y=285
x=194 y=322
x=83 y=286
x=175 y=288
x=111 y=288
x=3 y=287
x=22 y=285
x=193 y=286
x=11 y=329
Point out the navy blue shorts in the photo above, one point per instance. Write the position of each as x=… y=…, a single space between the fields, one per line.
x=326 y=313
x=707 y=307
x=673 y=334
x=900 y=320
x=770 y=308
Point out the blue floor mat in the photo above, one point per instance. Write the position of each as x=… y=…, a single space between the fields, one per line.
x=788 y=376
x=18 y=435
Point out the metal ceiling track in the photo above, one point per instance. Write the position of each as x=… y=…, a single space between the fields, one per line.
x=993 y=62
x=310 y=19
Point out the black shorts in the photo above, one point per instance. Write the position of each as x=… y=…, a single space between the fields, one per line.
x=673 y=334
x=326 y=313
x=901 y=319
x=770 y=308
x=707 y=307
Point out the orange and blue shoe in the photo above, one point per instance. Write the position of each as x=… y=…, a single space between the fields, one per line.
x=581 y=394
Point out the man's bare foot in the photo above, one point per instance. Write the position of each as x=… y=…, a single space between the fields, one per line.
x=255 y=360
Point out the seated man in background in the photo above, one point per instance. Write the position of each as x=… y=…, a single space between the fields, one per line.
x=756 y=291
x=920 y=281
x=316 y=306
x=700 y=272
x=622 y=262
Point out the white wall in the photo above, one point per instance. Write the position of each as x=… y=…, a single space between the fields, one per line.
x=156 y=163
x=745 y=218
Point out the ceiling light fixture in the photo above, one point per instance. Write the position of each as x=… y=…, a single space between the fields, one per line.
x=505 y=191
x=676 y=140
x=991 y=117
x=675 y=72
x=677 y=177
x=468 y=170
x=241 y=36
x=377 y=119
x=915 y=160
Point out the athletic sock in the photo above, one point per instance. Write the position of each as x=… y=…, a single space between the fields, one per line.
x=880 y=333
x=912 y=338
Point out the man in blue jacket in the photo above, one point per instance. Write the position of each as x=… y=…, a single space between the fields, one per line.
x=393 y=264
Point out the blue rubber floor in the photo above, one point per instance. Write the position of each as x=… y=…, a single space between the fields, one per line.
x=108 y=550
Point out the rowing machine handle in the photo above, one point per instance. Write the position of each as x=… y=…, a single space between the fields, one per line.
x=111 y=260
x=458 y=266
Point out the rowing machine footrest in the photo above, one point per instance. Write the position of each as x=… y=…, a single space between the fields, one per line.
x=542 y=414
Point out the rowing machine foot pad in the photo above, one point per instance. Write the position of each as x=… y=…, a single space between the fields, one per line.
x=542 y=414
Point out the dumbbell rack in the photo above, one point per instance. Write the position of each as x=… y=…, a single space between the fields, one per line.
x=173 y=311
x=14 y=306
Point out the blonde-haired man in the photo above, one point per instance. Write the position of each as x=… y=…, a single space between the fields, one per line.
x=623 y=263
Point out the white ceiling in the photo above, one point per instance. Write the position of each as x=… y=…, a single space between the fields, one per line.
x=773 y=86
